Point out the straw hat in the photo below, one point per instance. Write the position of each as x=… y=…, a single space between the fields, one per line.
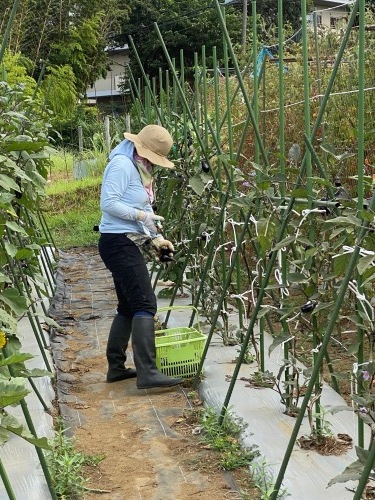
x=154 y=143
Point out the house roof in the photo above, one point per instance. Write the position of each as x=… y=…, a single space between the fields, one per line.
x=114 y=50
x=332 y=3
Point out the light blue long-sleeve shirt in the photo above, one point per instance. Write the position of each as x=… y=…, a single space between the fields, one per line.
x=122 y=193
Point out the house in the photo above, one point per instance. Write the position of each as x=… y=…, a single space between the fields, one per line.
x=106 y=92
x=329 y=12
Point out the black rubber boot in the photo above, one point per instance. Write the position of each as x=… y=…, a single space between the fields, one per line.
x=143 y=341
x=117 y=344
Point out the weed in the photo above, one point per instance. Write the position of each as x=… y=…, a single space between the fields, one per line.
x=264 y=480
x=66 y=465
x=224 y=438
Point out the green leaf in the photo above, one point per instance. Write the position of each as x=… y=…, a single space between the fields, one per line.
x=7 y=319
x=365 y=262
x=263 y=311
x=279 y=177
x=22 y=145
x=34 y=373
x=322 y=306
x=13 y=226
x=18 y=303
x=319 y=180
x=196 y=184
x=297 y=278
x=24 y=253
x=327 y=148
x=50 y=322
x=340 y=264
x=12 y=391
x=362 y=454
x=353 y=348
x=349 y=220
x=277 y=341
x=12 y=425
x=336 y=409
x=284 y=243
x=6 y=198
x=352 y=472
x=165 y=293
x=10 y=249
x=359 y=400
x=18 y=357
x=299 y=193
x=368 y=275
x=8 y=183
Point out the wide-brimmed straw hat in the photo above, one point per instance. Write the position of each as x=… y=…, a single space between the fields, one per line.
x=154 y=143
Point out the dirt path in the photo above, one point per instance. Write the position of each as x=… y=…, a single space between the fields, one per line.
x=146 y=436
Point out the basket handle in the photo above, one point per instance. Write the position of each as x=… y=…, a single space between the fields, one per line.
x=174 y=308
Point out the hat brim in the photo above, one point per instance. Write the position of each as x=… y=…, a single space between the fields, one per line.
x=145 y=152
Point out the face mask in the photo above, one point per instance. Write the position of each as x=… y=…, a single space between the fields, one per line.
x=145 y=171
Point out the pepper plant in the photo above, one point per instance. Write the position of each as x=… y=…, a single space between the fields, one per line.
x=24 y=157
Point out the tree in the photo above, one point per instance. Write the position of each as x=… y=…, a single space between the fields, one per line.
x=64 y=33
x=184 y=24
x=268 y=10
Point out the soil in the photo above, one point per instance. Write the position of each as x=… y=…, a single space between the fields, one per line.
x=149 y=439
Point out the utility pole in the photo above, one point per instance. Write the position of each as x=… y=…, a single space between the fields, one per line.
x=244 y=26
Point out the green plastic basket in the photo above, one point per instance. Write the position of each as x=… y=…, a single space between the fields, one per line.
x=179 y=350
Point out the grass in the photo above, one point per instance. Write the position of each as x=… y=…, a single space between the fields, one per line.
x=220 y=446
x=71 y=207
x=67 y=465
x=225 y=438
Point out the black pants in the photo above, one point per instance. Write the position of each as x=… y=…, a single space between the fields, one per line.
x=130 y=274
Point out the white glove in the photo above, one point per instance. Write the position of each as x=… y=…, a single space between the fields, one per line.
x=148 y=219
x=159 y=242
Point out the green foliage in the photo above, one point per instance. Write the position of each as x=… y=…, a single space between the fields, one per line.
x=66 y=465
x=264 y=479
x=13 y=390
x=24 y=157
x=83 y=46
x=17 y=69
x=268 y=10
x=72 y=209
x=61 y=94
x=185 y=25
x=65 y=33
x=225 y=438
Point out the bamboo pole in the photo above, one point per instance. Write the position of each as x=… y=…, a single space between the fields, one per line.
x=241 y=83
x=37 y=331
x=8 y=29
x=39 y=451
x=323 y=348
x=6 y=482
x=183 y=99
x=360 y=184
x=146 y=79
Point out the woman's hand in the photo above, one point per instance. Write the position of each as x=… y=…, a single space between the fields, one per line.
x=159 y=242
x=149 y=219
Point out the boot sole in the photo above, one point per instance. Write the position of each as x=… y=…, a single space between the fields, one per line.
x=124 y=376
x=159 y=386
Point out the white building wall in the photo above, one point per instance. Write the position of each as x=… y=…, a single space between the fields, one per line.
x=110 y=85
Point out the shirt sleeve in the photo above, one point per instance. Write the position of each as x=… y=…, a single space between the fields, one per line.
x=115 y=183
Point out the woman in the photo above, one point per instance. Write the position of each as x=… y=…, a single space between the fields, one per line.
x=128 y=230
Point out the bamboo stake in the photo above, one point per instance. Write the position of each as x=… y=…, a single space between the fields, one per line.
x=241 y=83
x=6 y=482
x=318 y=362
x=360 y=183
